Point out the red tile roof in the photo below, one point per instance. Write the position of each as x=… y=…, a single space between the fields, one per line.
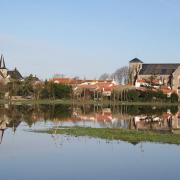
x=66 y=81
x=102 y=86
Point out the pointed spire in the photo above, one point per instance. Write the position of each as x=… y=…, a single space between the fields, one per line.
x=1 y=61
x=3 y=64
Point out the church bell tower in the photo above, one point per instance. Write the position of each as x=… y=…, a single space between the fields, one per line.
x=3 y=68
x=134 y=67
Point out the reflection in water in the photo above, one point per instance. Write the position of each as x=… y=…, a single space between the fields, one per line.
x=35 y=156
x=130 y=117
x=1 y=135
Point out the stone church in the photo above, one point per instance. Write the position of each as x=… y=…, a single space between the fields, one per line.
x=8 y=75
x=165 y=74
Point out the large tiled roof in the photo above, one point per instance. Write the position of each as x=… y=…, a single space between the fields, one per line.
x=15 y=74
x=158 y=69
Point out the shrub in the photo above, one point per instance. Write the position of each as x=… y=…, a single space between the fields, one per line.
x=150 y=95
x=147 y=95
x=174 y=97
x=160 y=95
x=62 y=91
x=133 y=95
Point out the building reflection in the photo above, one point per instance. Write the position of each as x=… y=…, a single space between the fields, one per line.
x=122 y=118
x=129 y=117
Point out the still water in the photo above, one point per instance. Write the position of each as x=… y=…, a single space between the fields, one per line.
x=27 y=155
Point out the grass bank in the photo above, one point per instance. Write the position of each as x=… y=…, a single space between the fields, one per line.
x=83 y=102
x=131 y=136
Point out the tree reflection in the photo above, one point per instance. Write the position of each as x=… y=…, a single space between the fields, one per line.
x=166 y=118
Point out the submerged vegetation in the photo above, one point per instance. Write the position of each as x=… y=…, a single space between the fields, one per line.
x=131 y=136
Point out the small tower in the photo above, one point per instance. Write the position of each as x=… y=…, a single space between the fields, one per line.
x=3 y=68
x=1 y=60
x=134 y=67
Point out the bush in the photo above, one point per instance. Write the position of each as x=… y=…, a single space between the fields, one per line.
x=146 y=95
x=133 y=95
x=62 y=91
x=174 y=97
x=44 y=94
x=161 y=96
x=150 y=95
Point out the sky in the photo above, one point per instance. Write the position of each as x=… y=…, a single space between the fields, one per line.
x=86 y=38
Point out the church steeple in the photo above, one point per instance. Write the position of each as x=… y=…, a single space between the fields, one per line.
x=2 y=62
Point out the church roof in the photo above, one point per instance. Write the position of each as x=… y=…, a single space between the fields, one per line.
x=158 y=69
x=15 y=74
x=135 y=60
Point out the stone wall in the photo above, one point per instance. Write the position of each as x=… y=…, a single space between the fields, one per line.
x=176 y=79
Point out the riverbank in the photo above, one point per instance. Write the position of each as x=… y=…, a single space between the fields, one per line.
x=86 y=102
x=131 y=136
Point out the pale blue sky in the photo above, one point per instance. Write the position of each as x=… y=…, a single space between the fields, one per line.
x=87 y=37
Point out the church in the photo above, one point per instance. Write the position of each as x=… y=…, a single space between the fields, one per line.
x=8 y=75
x=166 y=74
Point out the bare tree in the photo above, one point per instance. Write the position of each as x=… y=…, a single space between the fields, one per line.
x=170 y=81
x=104 y=76
x=58 y=76
x=76 y=78
x=121 y=75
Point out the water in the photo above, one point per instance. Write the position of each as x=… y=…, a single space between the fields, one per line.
x=27 y=155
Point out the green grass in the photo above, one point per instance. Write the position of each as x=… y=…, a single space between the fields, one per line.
x=131 y=136
x=83 y=102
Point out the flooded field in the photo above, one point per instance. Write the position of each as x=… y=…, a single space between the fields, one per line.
x=28 y=155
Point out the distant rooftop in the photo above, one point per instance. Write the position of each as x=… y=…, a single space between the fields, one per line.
x=135 y=60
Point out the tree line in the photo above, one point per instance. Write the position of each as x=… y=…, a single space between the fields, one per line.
x=32 y=88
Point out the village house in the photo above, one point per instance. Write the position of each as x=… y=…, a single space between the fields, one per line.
x=7 y=75
x=66 y=81
x=95 y=88
x=88 y=87
x=163 y=76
